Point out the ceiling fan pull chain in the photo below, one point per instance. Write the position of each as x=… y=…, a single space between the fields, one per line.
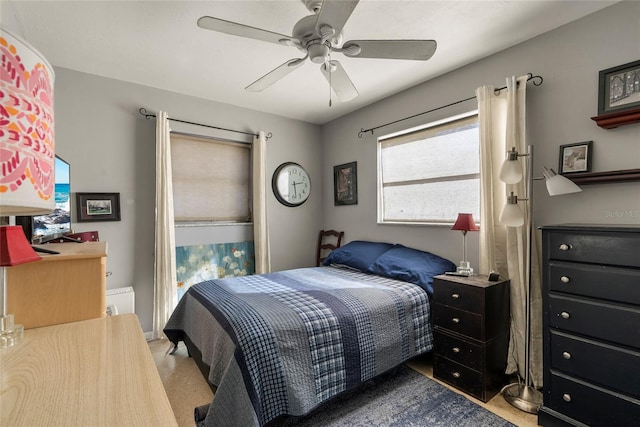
x=328 y=65
x=329 y=90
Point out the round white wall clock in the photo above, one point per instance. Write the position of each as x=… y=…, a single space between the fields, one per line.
x=291 y=184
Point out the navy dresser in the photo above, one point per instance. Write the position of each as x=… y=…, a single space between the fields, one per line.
x=591 y=325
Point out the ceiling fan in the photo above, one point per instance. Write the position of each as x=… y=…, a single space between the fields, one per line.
x=318 y=36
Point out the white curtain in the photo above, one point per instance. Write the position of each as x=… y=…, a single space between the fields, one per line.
x=503 y=249
x=260 y=228
x=165 y=249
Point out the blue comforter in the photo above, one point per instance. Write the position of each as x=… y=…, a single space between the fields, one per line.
x=283 y=343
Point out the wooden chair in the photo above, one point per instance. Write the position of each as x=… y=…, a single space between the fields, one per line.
x=328 y=240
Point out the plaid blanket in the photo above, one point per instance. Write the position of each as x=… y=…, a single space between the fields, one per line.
x=282 y=343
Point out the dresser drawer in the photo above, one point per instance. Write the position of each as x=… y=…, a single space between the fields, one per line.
x=610 y=322
x=610 y=366
x=590 y=404
x=459 y=376
x=458 y=295
x=594 y=247
x=458 y=350
x=597 y=281
x=459 y=321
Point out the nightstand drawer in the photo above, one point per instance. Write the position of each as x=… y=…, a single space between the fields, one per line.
x=597 y=281
x=459 y=376
x=462 y=322
x=586 y=403
x=458 y=295
x=459 y=350
x=610 y=322
x=603 y=364
x=594 y=247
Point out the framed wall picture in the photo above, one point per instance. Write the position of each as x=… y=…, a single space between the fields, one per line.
x=619 y=88
x=345 y=184
x=98 y=207
x=575 y=157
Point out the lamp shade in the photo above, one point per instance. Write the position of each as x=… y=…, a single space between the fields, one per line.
x=14 y=247
x=26 y=132
x=558 y=184
x=465 y=222
x=511 y=215
x=511 y=171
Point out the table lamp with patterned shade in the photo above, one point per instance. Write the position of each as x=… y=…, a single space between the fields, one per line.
x=465 y=223
x=26 y=154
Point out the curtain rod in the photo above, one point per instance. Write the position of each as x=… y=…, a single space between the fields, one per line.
x=537 y=81
x=147 y=116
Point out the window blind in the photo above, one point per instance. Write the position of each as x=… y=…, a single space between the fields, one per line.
x=430 y=175
x=211 y=179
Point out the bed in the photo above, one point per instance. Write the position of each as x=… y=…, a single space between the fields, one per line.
x=282 y=343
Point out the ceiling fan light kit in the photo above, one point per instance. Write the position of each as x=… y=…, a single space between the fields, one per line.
x=318 y=53
x=318 y=36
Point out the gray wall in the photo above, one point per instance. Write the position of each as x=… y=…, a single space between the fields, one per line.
x=111 y=148
x=559 y=112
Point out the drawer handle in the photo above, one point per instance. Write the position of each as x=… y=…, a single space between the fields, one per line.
x=565 y=315
x=455 y=296
x=566 y=355
x=564 y=247
x=456 y=349
x=566 y=397
x=456 y=375
x=455 y=320
x=565 y=279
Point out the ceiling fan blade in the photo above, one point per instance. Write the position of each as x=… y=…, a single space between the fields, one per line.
x=235 y=29
x=274 y=75
x=335 y=13
x=418 y=50
x=339 y=80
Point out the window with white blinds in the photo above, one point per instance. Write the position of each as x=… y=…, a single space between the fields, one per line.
x=431 y=174
x=211 y=179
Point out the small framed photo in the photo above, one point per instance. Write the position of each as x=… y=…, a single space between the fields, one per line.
x=575 y=157
x=98 y=207
x=345 y=184
x=619 y=88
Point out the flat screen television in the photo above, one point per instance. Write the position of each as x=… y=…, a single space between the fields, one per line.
x=42 y=228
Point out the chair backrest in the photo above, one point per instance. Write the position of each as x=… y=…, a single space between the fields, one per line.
x=328 y=240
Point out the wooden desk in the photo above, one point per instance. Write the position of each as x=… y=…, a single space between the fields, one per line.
x=61 y=288
x=96 y=372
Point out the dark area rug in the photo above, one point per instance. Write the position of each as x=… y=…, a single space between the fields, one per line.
x=401 y=397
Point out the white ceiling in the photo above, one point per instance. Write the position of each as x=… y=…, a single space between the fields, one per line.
x=157 y=44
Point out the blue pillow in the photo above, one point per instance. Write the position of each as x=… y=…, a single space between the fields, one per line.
x=411 y=265
x=357 y=254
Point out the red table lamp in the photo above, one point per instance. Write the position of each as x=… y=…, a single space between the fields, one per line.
x=14 y=250
x=465 y=223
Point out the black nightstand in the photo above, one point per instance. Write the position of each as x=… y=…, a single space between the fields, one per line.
x=471 y=333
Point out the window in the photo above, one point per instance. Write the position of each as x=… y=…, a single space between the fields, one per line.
x=430 y=174
x=211 y=179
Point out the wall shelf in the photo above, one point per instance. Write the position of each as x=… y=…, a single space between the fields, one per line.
x=621 y=118
x=584 y=178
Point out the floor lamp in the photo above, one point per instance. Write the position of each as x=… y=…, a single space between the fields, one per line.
x=523 y=395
